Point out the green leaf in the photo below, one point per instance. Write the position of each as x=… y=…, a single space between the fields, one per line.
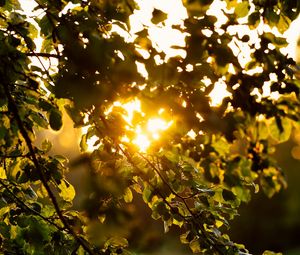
x=83 y=143
x=45 y=105
x=45 y=25
x=55 y=119
x=280 y=129
x=147 y=194
x=75 y=115
x=221 y=146
x=2 y=173
x=39 y=119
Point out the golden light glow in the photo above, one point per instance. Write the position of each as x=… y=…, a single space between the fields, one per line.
x=130 y=107
x=192 y=134
x=146 y=133
x=172 y=37
x=141 y=18
x=157 y=124
x=142 y=142
x=218 y=93
x=150 y=133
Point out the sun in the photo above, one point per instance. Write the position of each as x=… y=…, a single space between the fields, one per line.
x=145 y=133
x=153 y=128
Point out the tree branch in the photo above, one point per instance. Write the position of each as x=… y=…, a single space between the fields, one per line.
x=128 y=156
x=13 y=108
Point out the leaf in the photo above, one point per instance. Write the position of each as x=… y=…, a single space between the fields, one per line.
x=228 y=195
x=55 y=119
x=67 y=191
x=271 y=253
x=45 y=105
x=42 y=192
x=272 y=17
x=242 y=9
x=195 y=246
x=283 y=23
x=254 y=20
x=39 y=119
x=128 y=195
x=75 y=115
x=280 y=129
x=115 y=242
x=158 y=16
x=45 y=25
x=2 y=173
x=46 y=145
x=83 y=143
x=221 y=146
x=147 y=194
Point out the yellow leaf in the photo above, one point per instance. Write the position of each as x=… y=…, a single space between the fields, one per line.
x=271 y=253
x=67 y=191
x=128 y=195
x=2 y=173
x=42 y=192
x=195 y=246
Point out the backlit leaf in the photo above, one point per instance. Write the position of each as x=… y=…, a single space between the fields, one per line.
x=67 y=191
x=242 y=9
x=128 y=195
x=55 y=119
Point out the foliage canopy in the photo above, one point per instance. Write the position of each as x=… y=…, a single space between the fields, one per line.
x=194 y=182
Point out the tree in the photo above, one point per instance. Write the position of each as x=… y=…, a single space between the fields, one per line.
x=193 y=182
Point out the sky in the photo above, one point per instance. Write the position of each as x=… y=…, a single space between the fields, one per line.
x=176 y=15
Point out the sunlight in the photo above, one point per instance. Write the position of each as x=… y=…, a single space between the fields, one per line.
x=141 y=140
x=172 y=37
x=157 y=124
x=164 y=37
x=145 y=132
x=130 y=107
x=218 y=93
x=144 y=137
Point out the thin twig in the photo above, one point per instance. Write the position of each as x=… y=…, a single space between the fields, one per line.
x=12 y=106
x=20 y=202
x=41 y=54
x=162 y=178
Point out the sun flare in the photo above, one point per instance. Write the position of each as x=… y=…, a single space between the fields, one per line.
x=164 y=37
x=147 y=133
